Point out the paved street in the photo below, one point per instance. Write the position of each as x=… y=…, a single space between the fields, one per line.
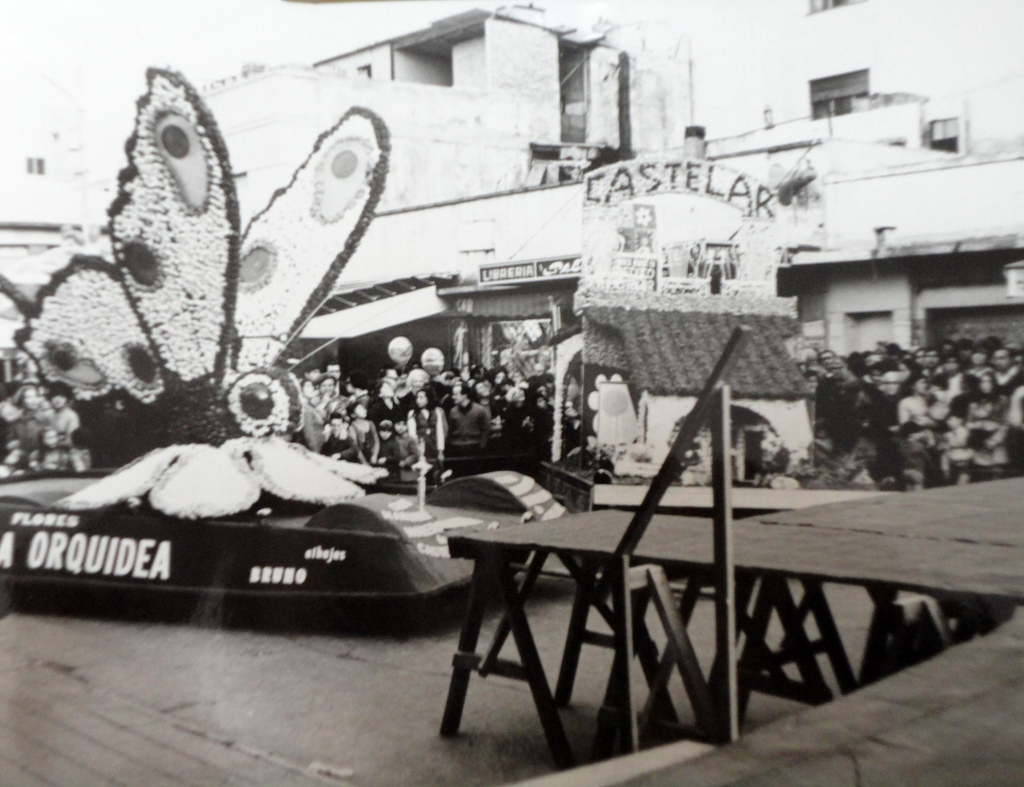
x=91 y=701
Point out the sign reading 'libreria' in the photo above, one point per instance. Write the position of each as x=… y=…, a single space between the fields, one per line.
x=633 y=179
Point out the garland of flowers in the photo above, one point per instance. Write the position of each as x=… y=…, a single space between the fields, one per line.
x=564 y=354
x=306 y=233
x=589 y=295
x=82 y=316
x=190 y=255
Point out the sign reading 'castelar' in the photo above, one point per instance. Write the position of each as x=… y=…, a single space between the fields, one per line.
x=634 y=179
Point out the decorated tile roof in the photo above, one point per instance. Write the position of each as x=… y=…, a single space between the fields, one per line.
x=671 y=353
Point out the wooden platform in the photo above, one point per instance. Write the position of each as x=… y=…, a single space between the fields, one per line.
x=957 y=719
x=744 y=498
x=962 y=546
x=910 y=557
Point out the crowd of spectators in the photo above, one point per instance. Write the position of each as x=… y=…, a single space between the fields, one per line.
x=914 y=418
x=893 y=418
x=41 y=431
x=405 y=415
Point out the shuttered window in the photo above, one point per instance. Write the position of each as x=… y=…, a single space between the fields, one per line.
x=840 y=94
x=825 y=5
x=944 y=135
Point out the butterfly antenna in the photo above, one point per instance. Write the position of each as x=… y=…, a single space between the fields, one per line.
x=22 y=302
x=301 y=327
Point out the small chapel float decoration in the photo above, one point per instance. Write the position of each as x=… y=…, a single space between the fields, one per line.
x=192 y=315
x=677 y=251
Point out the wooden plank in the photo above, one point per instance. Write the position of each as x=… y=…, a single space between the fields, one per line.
x=853 y=557
x=102 y=734
x=756 y=498
x=545 y=702
x=726 y=690
x=622 y=608
x=468 y=638
x=682 y=652
x=534 y=565
x=984 y=513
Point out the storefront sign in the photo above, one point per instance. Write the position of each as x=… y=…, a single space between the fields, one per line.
x=531 y=270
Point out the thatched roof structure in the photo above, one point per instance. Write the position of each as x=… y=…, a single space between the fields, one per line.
x=671 y=353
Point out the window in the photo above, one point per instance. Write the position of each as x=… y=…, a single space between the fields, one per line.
x=825 y=5
x=365 y=71
x=35 y=166
x=944 y=135
x=572 y=72
x=840 y=94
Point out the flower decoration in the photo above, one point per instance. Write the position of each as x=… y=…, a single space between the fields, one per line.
x=266 y=402
x=290 y=251
x=191 y=326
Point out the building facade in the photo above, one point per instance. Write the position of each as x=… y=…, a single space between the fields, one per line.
x=476 y=104
x=895 y=130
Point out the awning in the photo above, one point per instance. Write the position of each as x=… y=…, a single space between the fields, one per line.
x=922 y=247
x=369 y=309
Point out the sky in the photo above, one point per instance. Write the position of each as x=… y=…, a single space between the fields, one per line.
x=93 y=53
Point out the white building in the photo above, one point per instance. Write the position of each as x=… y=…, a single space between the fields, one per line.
x=895 y=128
x=476 y=103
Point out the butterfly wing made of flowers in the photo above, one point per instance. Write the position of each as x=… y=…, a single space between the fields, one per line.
x=82 y=331
x=294 y=250
x=174 y=228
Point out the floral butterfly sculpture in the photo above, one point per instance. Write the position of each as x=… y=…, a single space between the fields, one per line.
x=190 y=317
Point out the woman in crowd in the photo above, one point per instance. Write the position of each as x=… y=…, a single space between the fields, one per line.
x=986 y=423
x=428 y=426
x=917 y=431
x=385 y=405
x=363 y=432
x=543 y=425
x=34 y=416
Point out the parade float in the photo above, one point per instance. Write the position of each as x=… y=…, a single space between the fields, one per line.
x=678 y=250
x=191 y=319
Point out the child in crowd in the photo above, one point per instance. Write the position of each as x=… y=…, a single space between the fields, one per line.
x=390 y=455
x=409 y=449
x=15 y=460
x=51 y=455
